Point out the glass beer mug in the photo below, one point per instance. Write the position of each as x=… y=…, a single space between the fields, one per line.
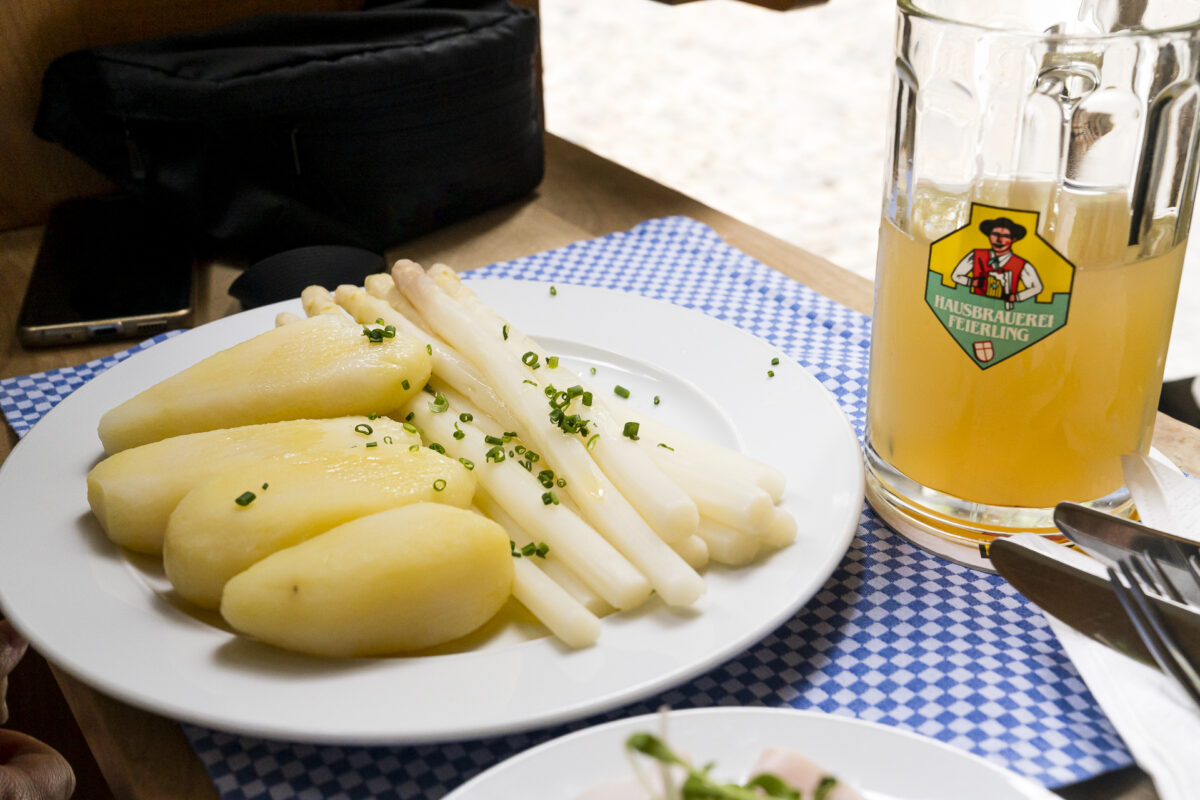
x=1038 y=195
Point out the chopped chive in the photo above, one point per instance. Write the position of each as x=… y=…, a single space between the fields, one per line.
x=372 y=415
x=666 y=447
x=513 y=545
x=468 y=463
x=504 y=331
x=531 y=383
x=774 y=362
x=459 y=434
x=439 y=404
x=495 y=455
x=530 y=359
x=405 y=385
x=631 y=430
x=437 y=448
x=553 y=290
x=549 y=498
x=586 y=399
x=620 y=391
x=529 y=549
x=409 y=417
x=656 y=400
x=493 y=439
x=245 y=498
x=429 y=349
x=560 y=482
x=428 y=389
x=546 y=478
x=439 y=484
x=552 y=362
x=372 y=444
x=591 y=443
x=412 y=448
x=387 y=440
x=770 y=373
x=592 y=370
x=542 y=550
x=465 y=417
x=364 y=429
x=408 y=426
x=264 y=487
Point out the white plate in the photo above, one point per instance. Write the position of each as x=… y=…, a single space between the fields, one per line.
x=882 y=763
x=110 y=619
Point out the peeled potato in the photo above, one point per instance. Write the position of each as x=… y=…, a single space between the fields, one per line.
x=210 y=537
x=322 y=366
x=133 y=492
x=393 y=582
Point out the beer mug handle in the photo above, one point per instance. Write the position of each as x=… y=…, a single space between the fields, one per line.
x=1166 y=172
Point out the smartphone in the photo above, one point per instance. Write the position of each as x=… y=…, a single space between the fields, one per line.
x=108 y=268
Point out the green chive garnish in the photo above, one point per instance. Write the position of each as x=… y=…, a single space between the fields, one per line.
x=631 y=430
x=666 y=447
x=466 y=417
x=364 y=429
x=437 y=448
x=656 y=401
x=468 y=463
x=504 y=331
x=405 y=385
x=372 y=444
x=620 y=391
x=552 y=362
x=439 y=404
x=439 y=484
x=553 y=291
x=774 y=362
x=245 y=498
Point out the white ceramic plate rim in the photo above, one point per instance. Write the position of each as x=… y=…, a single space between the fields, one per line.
x=882 y=762
x=84 y=607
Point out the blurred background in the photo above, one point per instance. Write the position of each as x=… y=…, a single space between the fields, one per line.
x=778 y=118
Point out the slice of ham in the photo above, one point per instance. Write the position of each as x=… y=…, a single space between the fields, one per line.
x=803 y=774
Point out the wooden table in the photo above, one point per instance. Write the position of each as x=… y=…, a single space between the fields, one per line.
x=141 y=755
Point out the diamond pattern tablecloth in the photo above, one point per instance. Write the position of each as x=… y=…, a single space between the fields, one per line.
x=896 y=635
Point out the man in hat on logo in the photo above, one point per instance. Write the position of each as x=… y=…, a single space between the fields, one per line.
x=997 y=272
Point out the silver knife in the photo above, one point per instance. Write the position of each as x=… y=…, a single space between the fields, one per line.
x=1087 y=603
x=1110 y=539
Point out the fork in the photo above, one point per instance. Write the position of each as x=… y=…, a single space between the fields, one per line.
x=1136 y=573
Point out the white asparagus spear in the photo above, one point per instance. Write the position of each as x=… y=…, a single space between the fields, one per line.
x=728 y=545
x=383 y=287
x=318 y=300
x=285 y=317
x=563 y=615
x=553 y=606
x=596 y=561
x=738 y=504
x=553 y=565
x=713 y=457
x=668 y=509
x=448 y=365
x=693 y=550
x=599 y=501
x=781 y=530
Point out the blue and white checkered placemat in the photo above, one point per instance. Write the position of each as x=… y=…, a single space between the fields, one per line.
x=896 y=635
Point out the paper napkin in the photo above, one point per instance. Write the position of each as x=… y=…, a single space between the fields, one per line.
x=1155 y=717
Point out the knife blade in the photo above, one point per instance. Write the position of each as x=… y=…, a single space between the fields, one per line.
x=1087 y=602
x=1109 y=539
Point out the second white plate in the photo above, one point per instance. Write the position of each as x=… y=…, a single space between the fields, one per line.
x=109 y=618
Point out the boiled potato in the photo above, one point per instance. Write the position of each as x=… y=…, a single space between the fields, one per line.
x=318 y=367
x=133 y=492
x=211 y=537
x=393 y=582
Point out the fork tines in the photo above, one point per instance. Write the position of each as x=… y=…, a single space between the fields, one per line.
x=1136 y=572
